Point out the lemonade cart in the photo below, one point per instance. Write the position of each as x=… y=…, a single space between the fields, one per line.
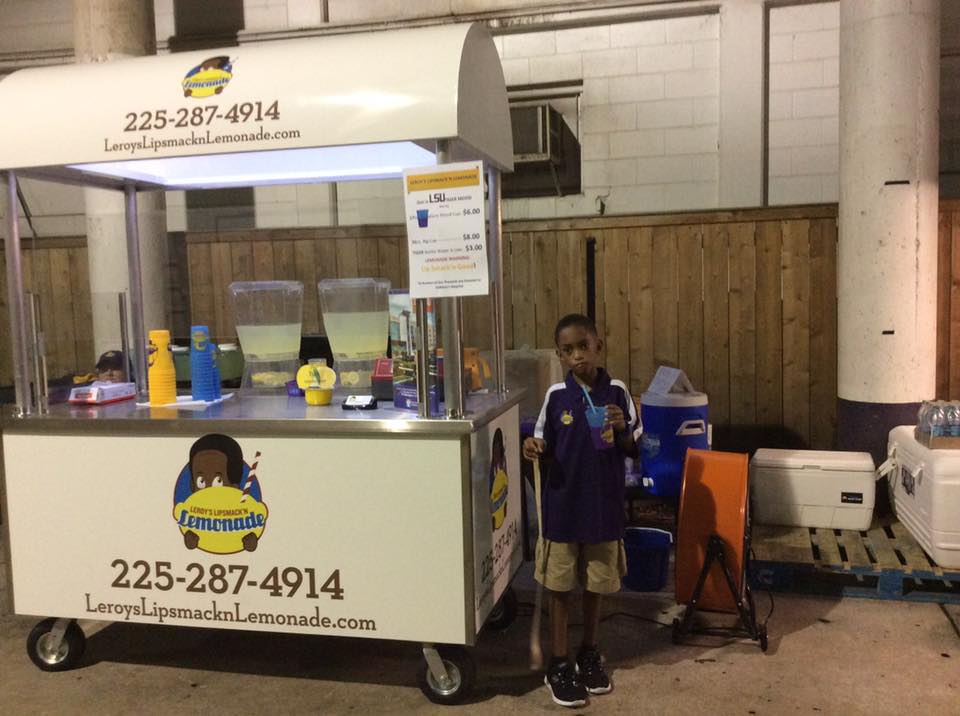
x=264 y=513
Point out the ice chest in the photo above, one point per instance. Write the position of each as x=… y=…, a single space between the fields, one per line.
x=674 y=418
x=925 y=492
x=813 y=488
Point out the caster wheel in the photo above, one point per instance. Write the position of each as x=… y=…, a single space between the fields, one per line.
x=762 y=634
x=675 y=634
x=505 y=611
x=460 y=669
x=40 y=646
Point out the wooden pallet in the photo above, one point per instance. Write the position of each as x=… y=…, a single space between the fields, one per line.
x=884 y=562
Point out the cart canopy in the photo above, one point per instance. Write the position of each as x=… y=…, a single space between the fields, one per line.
x=331 y=108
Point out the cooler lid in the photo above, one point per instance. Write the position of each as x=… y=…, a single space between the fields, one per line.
x=673 y=400
x=835 y=460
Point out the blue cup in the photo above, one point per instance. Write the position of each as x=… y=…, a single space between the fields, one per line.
x=202 y=377
x=422 y=217
x=601 y=430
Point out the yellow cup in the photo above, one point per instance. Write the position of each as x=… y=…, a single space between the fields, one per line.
x=318 y=396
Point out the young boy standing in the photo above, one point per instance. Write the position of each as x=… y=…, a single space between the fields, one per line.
x=582 y=503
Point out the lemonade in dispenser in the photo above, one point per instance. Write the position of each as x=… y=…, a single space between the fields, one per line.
x=268 y=317
x=356 y=319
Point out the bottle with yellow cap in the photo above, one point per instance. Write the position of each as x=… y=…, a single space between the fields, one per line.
x=161 y=375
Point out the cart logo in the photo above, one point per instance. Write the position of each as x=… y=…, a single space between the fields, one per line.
x=217 y=502
x=208 y=78
x=499 y=481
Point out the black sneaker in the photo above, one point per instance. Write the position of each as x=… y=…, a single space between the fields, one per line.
x=591 y=674
x=564 y=687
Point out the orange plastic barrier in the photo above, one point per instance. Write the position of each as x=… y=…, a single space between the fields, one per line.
x=713 y=501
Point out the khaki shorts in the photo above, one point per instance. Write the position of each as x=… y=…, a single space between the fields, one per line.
x=560 y=566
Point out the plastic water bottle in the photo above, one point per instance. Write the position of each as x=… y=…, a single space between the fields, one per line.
x=953 y=419
x=923 y=416
x=938 y=420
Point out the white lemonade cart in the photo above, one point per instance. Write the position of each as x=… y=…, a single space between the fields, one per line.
x=384 y=524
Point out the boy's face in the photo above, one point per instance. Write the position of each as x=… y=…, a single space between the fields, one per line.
x=579 y=351
x=209 y=469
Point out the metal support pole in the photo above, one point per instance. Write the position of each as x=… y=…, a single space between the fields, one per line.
x=423 y=359
x=136 y=290
x=495 y=261
x=124 y=334
x=451 y=319
x=453 y=395
x=18 y=323
x=38 y=342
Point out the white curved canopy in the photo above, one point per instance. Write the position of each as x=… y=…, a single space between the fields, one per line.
x=331 y=108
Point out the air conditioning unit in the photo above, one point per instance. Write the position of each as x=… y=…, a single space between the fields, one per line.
x=536 y=133
x=546 y=154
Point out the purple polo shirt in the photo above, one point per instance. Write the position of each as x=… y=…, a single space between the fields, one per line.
x=582 y=495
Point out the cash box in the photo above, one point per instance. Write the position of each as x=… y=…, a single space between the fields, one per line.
x=813 y=488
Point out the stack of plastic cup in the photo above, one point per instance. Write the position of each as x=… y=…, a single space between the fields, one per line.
x=216 y=373
x=203 y=379
x=161 y=375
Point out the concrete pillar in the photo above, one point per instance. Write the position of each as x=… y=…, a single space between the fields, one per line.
x=107 y=30
x=741 y=103
x=887 y=252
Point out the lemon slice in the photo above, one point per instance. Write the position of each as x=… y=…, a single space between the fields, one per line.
x=306 y=376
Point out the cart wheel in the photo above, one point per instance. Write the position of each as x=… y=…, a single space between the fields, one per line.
x=675 y=634
x=40 y=646
x=504 y=612
x=762 y=634
x=459 y=666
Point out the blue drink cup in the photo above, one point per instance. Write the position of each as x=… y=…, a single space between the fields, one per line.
x=201 y=364
x=422 y=217
x=601 y=430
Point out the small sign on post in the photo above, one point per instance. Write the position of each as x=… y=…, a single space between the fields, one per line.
x=446 y=233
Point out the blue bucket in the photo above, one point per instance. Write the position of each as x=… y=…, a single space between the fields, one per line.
x=648 y=558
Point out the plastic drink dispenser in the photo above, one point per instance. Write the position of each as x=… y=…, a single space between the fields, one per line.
x=268 y=317
x=356 y=319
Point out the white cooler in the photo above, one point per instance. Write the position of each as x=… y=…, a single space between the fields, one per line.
x=812 y=488
x=925 y=491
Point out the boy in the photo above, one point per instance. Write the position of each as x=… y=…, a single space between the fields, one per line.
x=582 y=503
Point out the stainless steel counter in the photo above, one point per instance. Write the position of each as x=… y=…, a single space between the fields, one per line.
x=259 y=415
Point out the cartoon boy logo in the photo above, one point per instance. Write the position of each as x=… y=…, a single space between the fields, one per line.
x=218 y=504
x=498 y=481
x=208 y=78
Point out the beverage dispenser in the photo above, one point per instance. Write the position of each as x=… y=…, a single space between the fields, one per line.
x=268 y=317
x=356 y=319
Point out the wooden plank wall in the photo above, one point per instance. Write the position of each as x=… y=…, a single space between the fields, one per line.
x=744 y=301
x=56 y=270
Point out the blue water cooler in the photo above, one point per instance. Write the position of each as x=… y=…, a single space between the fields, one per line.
x=672 y=422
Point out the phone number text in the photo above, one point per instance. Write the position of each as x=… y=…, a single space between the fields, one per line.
x=201 y=116
x=223 y=579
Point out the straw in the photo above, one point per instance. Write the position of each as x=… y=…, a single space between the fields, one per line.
x=589 y=400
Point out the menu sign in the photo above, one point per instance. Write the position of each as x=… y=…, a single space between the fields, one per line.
x=446 y=236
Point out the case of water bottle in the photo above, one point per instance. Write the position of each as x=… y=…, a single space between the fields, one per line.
x=925 y=493
x=938 y=424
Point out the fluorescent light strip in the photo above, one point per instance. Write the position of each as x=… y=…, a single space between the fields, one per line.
x=282 y=166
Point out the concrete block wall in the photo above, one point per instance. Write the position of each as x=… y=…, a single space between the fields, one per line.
x=803 y=102
x=649 y=122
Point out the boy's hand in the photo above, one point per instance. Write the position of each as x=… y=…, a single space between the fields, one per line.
x=616 y=418
x=533 y=448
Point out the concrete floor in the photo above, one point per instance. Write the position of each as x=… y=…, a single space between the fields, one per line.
x=827 y=656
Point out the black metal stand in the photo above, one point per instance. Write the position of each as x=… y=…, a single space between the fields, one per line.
x=747 y=626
